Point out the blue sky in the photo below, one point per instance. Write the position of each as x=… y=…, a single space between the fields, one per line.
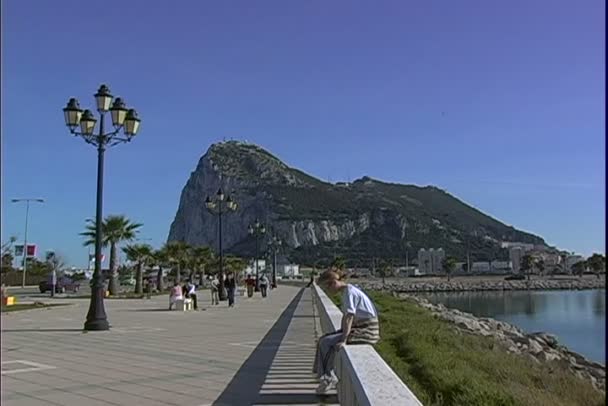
x=499 y=103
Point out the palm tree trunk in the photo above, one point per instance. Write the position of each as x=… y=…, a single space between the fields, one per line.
x=159 y=279
x=178 y=275
x=202 y=277
x=113 y=285
x=139 y=278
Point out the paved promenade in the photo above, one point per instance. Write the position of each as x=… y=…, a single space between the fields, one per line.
x=258 y=353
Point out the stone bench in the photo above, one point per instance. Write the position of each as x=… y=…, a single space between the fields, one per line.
x=364 y=378
x=183 y=304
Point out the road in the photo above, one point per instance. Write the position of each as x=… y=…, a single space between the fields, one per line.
x=32 y=293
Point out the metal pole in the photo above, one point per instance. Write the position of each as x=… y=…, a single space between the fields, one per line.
x=257 y=278
x=274 y=267
x=96 y=317
x=221 y=292
x=27 y=212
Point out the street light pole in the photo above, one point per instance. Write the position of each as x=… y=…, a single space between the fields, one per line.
x=257 y=230
x=212 y=206
x=275 y=243
x=27 y=213
x=123 y=119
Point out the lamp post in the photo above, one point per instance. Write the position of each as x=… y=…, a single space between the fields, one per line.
x=27 y=212
x=256 y=229
x=127 y=121
x=274 y=244
x=215 y=206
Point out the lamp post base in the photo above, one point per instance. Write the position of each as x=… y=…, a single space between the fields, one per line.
x=96 y=317
x=97 y=325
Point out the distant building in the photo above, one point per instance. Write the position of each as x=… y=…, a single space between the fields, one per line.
x=290 y=270
x=480 y=267
x=515 y=255
x=501 y=266
x=524 y=246
x=571 y=260
x=424 y=261
x=251 y=267
x=430 y=261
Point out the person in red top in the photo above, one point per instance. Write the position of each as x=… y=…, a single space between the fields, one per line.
x=250 y=282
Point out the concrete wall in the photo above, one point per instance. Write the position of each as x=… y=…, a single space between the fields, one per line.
x=365 y=379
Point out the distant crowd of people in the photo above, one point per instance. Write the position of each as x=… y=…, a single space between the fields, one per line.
x=188 y=290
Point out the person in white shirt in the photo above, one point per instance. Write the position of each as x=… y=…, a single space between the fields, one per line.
x=264 y=285
x=359 y=326
x=191 y=293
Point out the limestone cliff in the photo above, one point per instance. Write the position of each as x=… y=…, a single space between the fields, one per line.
x=317 y=220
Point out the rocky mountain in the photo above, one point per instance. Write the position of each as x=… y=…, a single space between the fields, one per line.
x=318 y=220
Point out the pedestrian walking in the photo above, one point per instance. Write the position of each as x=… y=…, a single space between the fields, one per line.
x=215 y=288
x=250 y=282
x=230 y=285
x=264 y=285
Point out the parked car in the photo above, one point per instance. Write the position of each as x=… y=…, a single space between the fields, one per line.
x=518 y=277
x=63 y=285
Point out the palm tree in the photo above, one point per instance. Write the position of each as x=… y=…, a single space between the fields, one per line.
x=234 y=264
x=160 y=259
x=597 y=263
x=200 y=258
x=540 y=265
x=141 y=254
x=339 y=262
x=449 y=265
x=177 y=254
x=579 y=268
x=527 y=262
x=115 y=229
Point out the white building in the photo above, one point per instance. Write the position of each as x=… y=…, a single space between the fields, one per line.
x=515 y=255
x=501 y=266
x=430 y=261
x=524 y=246
x=251 y=267
x=424 y=261
x=480 y=267
x=290 y=270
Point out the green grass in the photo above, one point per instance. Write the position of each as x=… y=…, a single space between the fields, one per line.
x=445 y=367
x=18 y=307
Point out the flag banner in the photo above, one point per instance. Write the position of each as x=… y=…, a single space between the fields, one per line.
x=31 y=250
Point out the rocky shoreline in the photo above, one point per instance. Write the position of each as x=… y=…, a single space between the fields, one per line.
x=540 y=347
x=410 y=286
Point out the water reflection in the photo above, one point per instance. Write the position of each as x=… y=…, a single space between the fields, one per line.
x=576 y=317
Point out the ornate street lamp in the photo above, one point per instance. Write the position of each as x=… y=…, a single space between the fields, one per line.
x=257 y=230
x=216 y=206
x=126 y=125
x=274 y=244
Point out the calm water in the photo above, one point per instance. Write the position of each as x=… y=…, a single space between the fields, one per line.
x=577 y=317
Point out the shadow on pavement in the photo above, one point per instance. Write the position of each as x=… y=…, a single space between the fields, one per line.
x=244 y=389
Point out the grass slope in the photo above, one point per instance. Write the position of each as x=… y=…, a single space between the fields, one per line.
x=445 y=367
